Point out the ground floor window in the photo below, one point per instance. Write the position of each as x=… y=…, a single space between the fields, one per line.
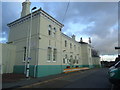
x=49 y=53
x=54 y=54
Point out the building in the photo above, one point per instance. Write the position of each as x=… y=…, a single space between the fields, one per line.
x=8 y=56
x=51 y=50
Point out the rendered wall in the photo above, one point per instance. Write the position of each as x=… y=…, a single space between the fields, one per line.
x=86 y=55
x=18 y=35
x=96 y=61
x=8 y=58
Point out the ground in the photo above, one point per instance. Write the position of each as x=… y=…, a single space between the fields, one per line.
x=93 y=78
x=11 y=77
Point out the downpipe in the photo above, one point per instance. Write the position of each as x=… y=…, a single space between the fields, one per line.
x=35 y=70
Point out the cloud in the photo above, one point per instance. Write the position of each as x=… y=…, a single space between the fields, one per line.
x=10 y=12
x=93 y=19
x=97 y=20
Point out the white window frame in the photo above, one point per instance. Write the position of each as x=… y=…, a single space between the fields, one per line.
x=49 y=30
x=54 y=32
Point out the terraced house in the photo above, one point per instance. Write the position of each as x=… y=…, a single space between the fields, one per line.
x=51 y=50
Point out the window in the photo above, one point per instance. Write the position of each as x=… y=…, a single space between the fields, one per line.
x=71 y=59
x=49 y=30
x=49 y=53
x=66 y=56
x=24 y=55
x=75 y=57
x=54 y=54
x=75 y=47
x=63 y=60
x=54 y=32
x=77 y=62
x=60 y=29
x=70 y=45
x=65 y=43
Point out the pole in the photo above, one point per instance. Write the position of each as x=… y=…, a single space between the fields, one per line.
x=29 y=47
x=27 y=39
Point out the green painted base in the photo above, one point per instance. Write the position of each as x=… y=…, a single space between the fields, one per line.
x=45 y=70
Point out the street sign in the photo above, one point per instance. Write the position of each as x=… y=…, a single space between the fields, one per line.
x=29 y=58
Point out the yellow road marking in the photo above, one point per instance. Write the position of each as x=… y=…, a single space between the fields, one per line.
x=39 y=83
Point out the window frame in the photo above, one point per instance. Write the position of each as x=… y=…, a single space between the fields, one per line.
x=49 y=54
x=54 y=59
x=49 y=30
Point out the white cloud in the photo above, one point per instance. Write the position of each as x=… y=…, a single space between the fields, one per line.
x=108 y=57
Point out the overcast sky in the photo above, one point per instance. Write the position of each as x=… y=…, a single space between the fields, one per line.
x=98 y=20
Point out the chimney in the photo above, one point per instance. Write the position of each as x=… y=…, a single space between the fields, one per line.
x=73 y=37
x=89 y=40
x=25 y=8
x=81 y=40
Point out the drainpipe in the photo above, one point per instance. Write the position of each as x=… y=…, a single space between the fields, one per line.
x=35 y=70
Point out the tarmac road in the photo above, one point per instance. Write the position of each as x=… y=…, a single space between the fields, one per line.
x=94 y=78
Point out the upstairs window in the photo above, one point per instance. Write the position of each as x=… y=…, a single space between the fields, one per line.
x=70 y=45
x=65 y=43
x=50 y=30
x=54 y=32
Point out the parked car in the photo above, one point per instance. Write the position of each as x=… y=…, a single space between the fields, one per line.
x=114 y=74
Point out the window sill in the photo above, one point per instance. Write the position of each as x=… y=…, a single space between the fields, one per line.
x=48 y=61
x=54 y=61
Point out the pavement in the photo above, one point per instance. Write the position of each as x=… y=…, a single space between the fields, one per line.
x=30 y=81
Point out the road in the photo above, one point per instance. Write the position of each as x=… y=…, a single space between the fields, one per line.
x=95 y=78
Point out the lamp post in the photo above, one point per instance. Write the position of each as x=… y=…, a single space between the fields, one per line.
x=29 y=46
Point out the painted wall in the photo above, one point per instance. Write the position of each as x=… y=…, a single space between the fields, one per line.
x=8 y=57
x=18 y=35
x=49 y=41
x=86 y=55
x=96 y=61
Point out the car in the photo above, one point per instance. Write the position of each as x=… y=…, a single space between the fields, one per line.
x=114 y=74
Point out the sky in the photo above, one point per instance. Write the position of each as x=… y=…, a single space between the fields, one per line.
x=98 y=20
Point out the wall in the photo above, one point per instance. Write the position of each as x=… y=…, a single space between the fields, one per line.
x=86 y=55
x=8 y=58
x=96 y=61
x=75 y=51
x=18 y=35
x=49 y=41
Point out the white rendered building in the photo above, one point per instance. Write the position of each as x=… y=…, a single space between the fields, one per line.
x=51 y=50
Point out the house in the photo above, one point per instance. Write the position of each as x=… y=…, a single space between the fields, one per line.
x=50 y=49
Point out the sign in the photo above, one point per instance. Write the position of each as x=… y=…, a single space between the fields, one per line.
x=29 y=58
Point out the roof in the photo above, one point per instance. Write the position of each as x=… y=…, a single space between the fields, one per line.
x=35 y=13
x=83 y=43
